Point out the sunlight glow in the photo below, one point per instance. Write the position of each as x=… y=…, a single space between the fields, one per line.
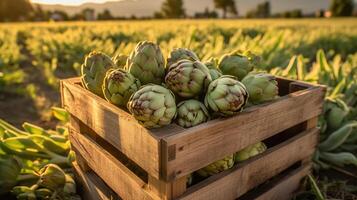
x=70 y=2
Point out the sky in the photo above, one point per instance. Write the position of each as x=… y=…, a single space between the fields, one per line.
x=69 y=2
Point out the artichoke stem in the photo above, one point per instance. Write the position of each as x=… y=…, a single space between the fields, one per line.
x=26 y=177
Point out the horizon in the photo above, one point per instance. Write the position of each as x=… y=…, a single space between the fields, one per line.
x=70 y=2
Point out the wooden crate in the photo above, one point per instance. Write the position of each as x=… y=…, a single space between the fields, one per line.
x=107 y=137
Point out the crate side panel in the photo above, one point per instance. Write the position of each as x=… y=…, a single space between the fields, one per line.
x=235 y=182
x=206 y=143
x=109 y=169
x=114 y=125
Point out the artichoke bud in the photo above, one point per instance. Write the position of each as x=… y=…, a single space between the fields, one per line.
x=238 y=64
x=212 y=65
x=261 y=87
x=217 y=167
x=93 y=71
x=191 y=113
x=20 y=189
x=188 y=78
x=181 y=54
x=10 y=169
x=43 y=193
x=120 y=61
x=250 y=152
x=147 y=63
x=335 y=112
x=70 y=186
x=153 y=106
x=226 y=96
x=52 y=177
x=118 y=86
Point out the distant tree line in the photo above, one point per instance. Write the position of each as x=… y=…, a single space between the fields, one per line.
x=23 y=10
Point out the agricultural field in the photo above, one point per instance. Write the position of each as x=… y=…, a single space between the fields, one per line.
x=35 y=56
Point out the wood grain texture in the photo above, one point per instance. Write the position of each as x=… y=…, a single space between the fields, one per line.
x=168 y=190
x=281 y=189
x=92 y=187
x=233 y=183
x=114 y=125
x=206 y=143
x=124 y=182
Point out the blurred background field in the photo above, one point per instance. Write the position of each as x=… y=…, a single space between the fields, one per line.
x=35 y=56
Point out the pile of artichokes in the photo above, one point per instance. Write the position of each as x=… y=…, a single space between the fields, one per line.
x=181 y=89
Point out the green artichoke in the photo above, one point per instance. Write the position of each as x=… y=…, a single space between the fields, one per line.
x=191 y=113
x=335 y=112
x=226 y=96
x=120 y=60
x=217 y=167
x=261 y=87
x=238 y=64
x=188 y=78
x=181 y=54
x=10 y=169
x=93 y=71
x=212 y=66
x=118 y=86
x=52 y=177
x=147 y=63
x=153 y=106
x=249 y=152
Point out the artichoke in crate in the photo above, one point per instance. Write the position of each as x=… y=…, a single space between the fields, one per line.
x=147 y=63
x=93 y=71
x=249 y=152
x=335 y=112
x=181 y=54
x=191 y=113
x=238 y=64
x=118 y=86
x=226 y=96
x=261 y=87
x=217 y=167
x=212 y=66
x=52 y=177
x=120 y=61
x=188 y=78
x=153 y=106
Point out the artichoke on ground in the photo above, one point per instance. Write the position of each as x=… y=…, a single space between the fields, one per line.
x=335 y=112
x=191 y=113
x=250 y=152
x=120 y=61
x=181 y=54
x=261 y=87
x=10 y=169
x=238 y=64
x=93 y=71
x=118 y=86
x=226 y=96
x=147 y=63
x=217 y=167
x=212 y=65
x=188 y=78
x=52 y=177
x=153 y=106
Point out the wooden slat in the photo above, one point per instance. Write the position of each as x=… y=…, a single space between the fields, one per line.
x=114 y=125
x=124 y=182
x=285 y=189
x=168 y=190
x=233 y=183
x=201 y=145
x=92 y=187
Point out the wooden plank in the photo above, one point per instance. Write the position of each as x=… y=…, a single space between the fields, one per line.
x=233 y=183
x=201 y=145
x=168 y=190
x=114 y=125
x=92 y=187
x=286 y=188
x=124 y=182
